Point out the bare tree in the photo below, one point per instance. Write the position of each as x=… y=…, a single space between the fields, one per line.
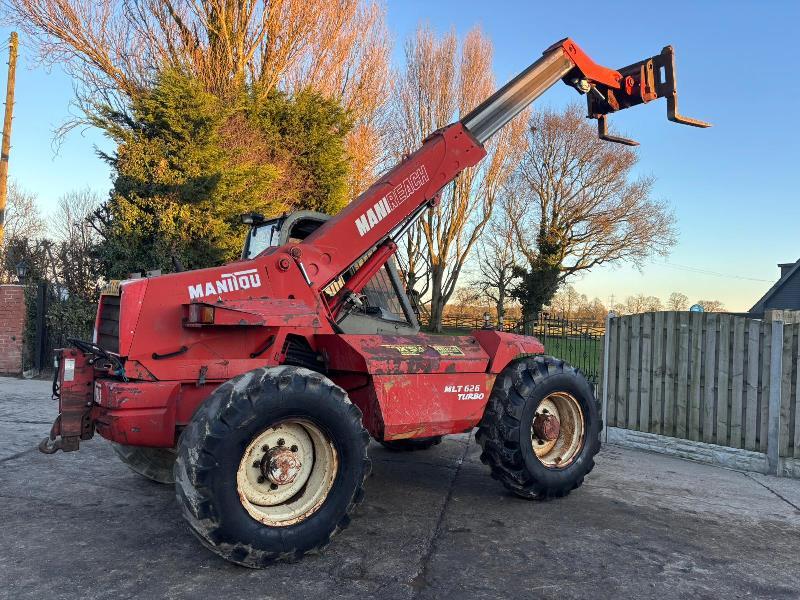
x=415 y=269
x=677 y=301
x=75 y=268
x=466 y=299
x=114 y=48
x=570 y=304
x=566 y=302
x=23 y=219
x=496 y=259
x=349 y=61
x=712 y=305
x=594 y=311
x=576 y=206
x=440 y=82
x=639 y=304
x=23 y=226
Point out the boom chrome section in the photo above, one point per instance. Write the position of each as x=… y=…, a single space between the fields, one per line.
x=514 y=97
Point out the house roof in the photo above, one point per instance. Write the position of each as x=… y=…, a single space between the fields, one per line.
x=758 y=307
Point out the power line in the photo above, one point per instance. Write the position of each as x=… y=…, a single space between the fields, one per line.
x=701 y=271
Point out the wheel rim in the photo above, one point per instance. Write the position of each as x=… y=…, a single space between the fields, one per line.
x=286 y=473
x=557 y=430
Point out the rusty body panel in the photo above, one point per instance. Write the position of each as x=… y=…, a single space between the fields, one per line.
x=262 y=312
x=504 y=347
x=137 y=415
x=397 y=354
x=454 y=403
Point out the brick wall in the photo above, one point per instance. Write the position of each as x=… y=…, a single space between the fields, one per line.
x=12 y=325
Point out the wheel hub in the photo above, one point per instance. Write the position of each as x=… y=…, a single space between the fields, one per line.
x=546 y=427
x=286 y=472
x=557 y=430
x=281 y=466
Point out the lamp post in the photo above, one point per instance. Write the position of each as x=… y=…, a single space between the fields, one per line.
x=22 y=271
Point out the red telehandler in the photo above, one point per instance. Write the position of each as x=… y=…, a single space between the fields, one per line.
x=255 y=386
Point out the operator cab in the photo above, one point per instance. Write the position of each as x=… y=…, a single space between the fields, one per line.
x=386 y=307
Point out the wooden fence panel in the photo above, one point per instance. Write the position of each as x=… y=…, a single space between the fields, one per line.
x=764 y=387
x=795 y=381
x=695 y=381
x=704 y=377
x=787 y=369
x=622 y=383
x=737 y=383
x=797 y=407
x=634 y=367
x=709 y=376
x=722 y=403
x=645 y=373
x=611 y=385
x=670 y=374
x=682 y=397
x=751 y=385
x=657 y=387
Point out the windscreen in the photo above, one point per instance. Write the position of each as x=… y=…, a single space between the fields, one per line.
x=262 y=237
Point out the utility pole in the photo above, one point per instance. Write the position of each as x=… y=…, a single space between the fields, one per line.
x=5 y=148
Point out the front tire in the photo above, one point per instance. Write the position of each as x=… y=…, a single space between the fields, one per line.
x=541 y=429
x=272 y=465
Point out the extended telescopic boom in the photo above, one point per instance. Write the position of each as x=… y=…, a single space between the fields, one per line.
x=388 y=207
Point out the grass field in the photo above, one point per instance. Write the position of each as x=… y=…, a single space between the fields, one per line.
x=582 y=353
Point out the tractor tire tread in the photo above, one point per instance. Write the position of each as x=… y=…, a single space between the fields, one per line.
x=221 y=414
x=155 y=464
x=498 y=433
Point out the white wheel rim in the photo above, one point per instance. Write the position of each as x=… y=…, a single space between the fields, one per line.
x=286 y=473
x=561 y=451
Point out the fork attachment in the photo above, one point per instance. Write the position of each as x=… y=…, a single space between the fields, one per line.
x=641 y=82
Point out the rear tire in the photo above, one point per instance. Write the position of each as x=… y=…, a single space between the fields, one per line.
x=155 y=464
x=529 y=464
x=272 y=465
x=411 y=444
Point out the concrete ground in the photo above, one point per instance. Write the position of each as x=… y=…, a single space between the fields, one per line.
x=433 y=525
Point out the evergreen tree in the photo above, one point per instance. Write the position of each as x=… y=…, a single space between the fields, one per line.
x=187 y=164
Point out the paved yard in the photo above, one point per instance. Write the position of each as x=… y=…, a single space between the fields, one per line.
x=433 y=525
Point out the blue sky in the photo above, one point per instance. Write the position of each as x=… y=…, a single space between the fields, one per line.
x=733 y=187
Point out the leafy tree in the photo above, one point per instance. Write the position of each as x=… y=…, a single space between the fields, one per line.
x=188 y=164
